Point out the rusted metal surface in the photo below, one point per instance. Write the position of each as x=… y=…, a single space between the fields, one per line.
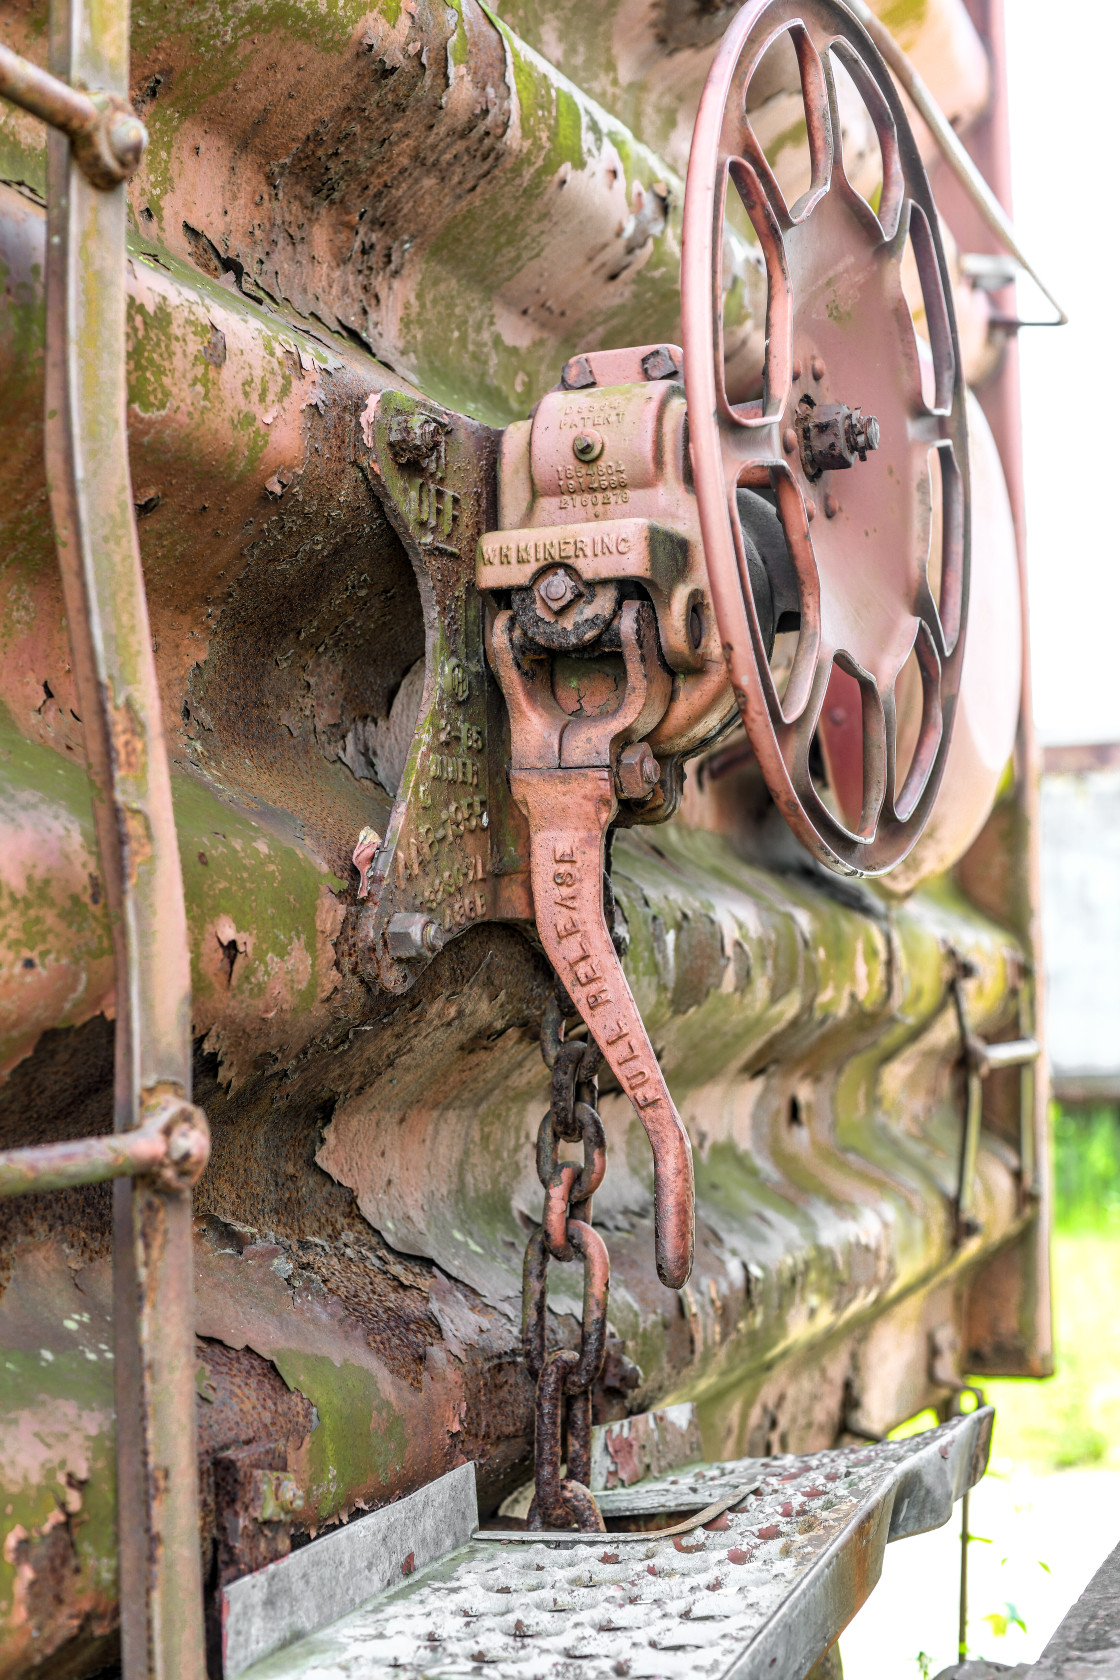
x=564 y=1379
x=373 y=1109
x=650 y=1444
x=772 y=1581
x=87 y=468
x=171 y=1146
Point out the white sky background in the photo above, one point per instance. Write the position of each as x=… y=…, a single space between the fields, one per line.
x=1064 y=76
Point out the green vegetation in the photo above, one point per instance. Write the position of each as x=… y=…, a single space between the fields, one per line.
x=1074 y=1419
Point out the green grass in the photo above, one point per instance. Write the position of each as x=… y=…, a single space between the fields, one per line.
x=1073 y=1419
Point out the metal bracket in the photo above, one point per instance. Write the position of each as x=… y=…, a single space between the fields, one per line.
x=981 y=1059
x=452 y=854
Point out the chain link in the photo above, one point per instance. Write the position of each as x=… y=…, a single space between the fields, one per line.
x=564 y=1378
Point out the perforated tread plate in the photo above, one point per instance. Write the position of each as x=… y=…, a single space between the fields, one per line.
x=763 y=1597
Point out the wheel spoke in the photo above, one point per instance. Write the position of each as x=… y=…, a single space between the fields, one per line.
x=841 y=347
x=882 y=224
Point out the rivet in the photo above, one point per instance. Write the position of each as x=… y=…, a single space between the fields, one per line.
x=831 y=505
x=810 y=508
x=789 y=440
x=795 y=370
x=816 y=368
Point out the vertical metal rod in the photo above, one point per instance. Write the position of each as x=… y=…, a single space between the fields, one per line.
x=970 y=1150
x=91 y=505
x=962 y=1608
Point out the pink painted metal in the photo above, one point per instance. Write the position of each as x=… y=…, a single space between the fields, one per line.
x=562 y=774
x=839 y=332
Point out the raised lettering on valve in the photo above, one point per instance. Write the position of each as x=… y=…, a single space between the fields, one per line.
x=599 y=554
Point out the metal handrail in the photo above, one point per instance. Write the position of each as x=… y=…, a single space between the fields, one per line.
x=160 y=1142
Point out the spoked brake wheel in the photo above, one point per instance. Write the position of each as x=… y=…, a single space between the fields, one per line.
x=858 y=438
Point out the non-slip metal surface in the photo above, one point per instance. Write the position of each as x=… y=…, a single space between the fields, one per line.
x=762 y=1593
x=308 y=1588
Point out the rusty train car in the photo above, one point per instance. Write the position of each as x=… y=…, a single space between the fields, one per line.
x=512 y=543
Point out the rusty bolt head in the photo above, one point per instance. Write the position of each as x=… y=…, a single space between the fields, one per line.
x=557 y=589
x=638 y=771
x=411 y=935
x=576 y=374
x=414 y=439
x=863 y=433
x=276 y=1496
x=587 y=445
x=187 y=1132
x=834 y=436
x=127 y=139
x=660 y=364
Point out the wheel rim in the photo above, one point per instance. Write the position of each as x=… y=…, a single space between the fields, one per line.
x=880 y=550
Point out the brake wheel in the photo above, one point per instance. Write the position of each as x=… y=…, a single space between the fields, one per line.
x=858 y=438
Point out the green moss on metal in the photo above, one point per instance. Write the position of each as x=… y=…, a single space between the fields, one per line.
x=359 y=1443
x=233 y=867
x=270 y=891
x=797 y=134
x=59 y=1402
x=151 y=356
x=23 y=160
x=209 y=60
x=456 y=346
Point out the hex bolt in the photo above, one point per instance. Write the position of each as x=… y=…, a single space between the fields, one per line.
x=587 y=446
x=660 y=364
x=557 y=589
x=411 y=934
x=554 y=588
x=863 y=433
x=834 y=436
x=638 y=771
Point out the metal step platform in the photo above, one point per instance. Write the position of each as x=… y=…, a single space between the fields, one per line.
x=778 y=1556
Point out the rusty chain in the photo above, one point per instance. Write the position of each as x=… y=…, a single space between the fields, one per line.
x=564 y=1378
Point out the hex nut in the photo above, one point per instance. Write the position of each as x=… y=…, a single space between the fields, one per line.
x=638 y=771
x=660 y=363
x=587 y=445
x=411 y=934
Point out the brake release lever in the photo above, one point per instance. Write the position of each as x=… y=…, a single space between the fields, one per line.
x=563 y=773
